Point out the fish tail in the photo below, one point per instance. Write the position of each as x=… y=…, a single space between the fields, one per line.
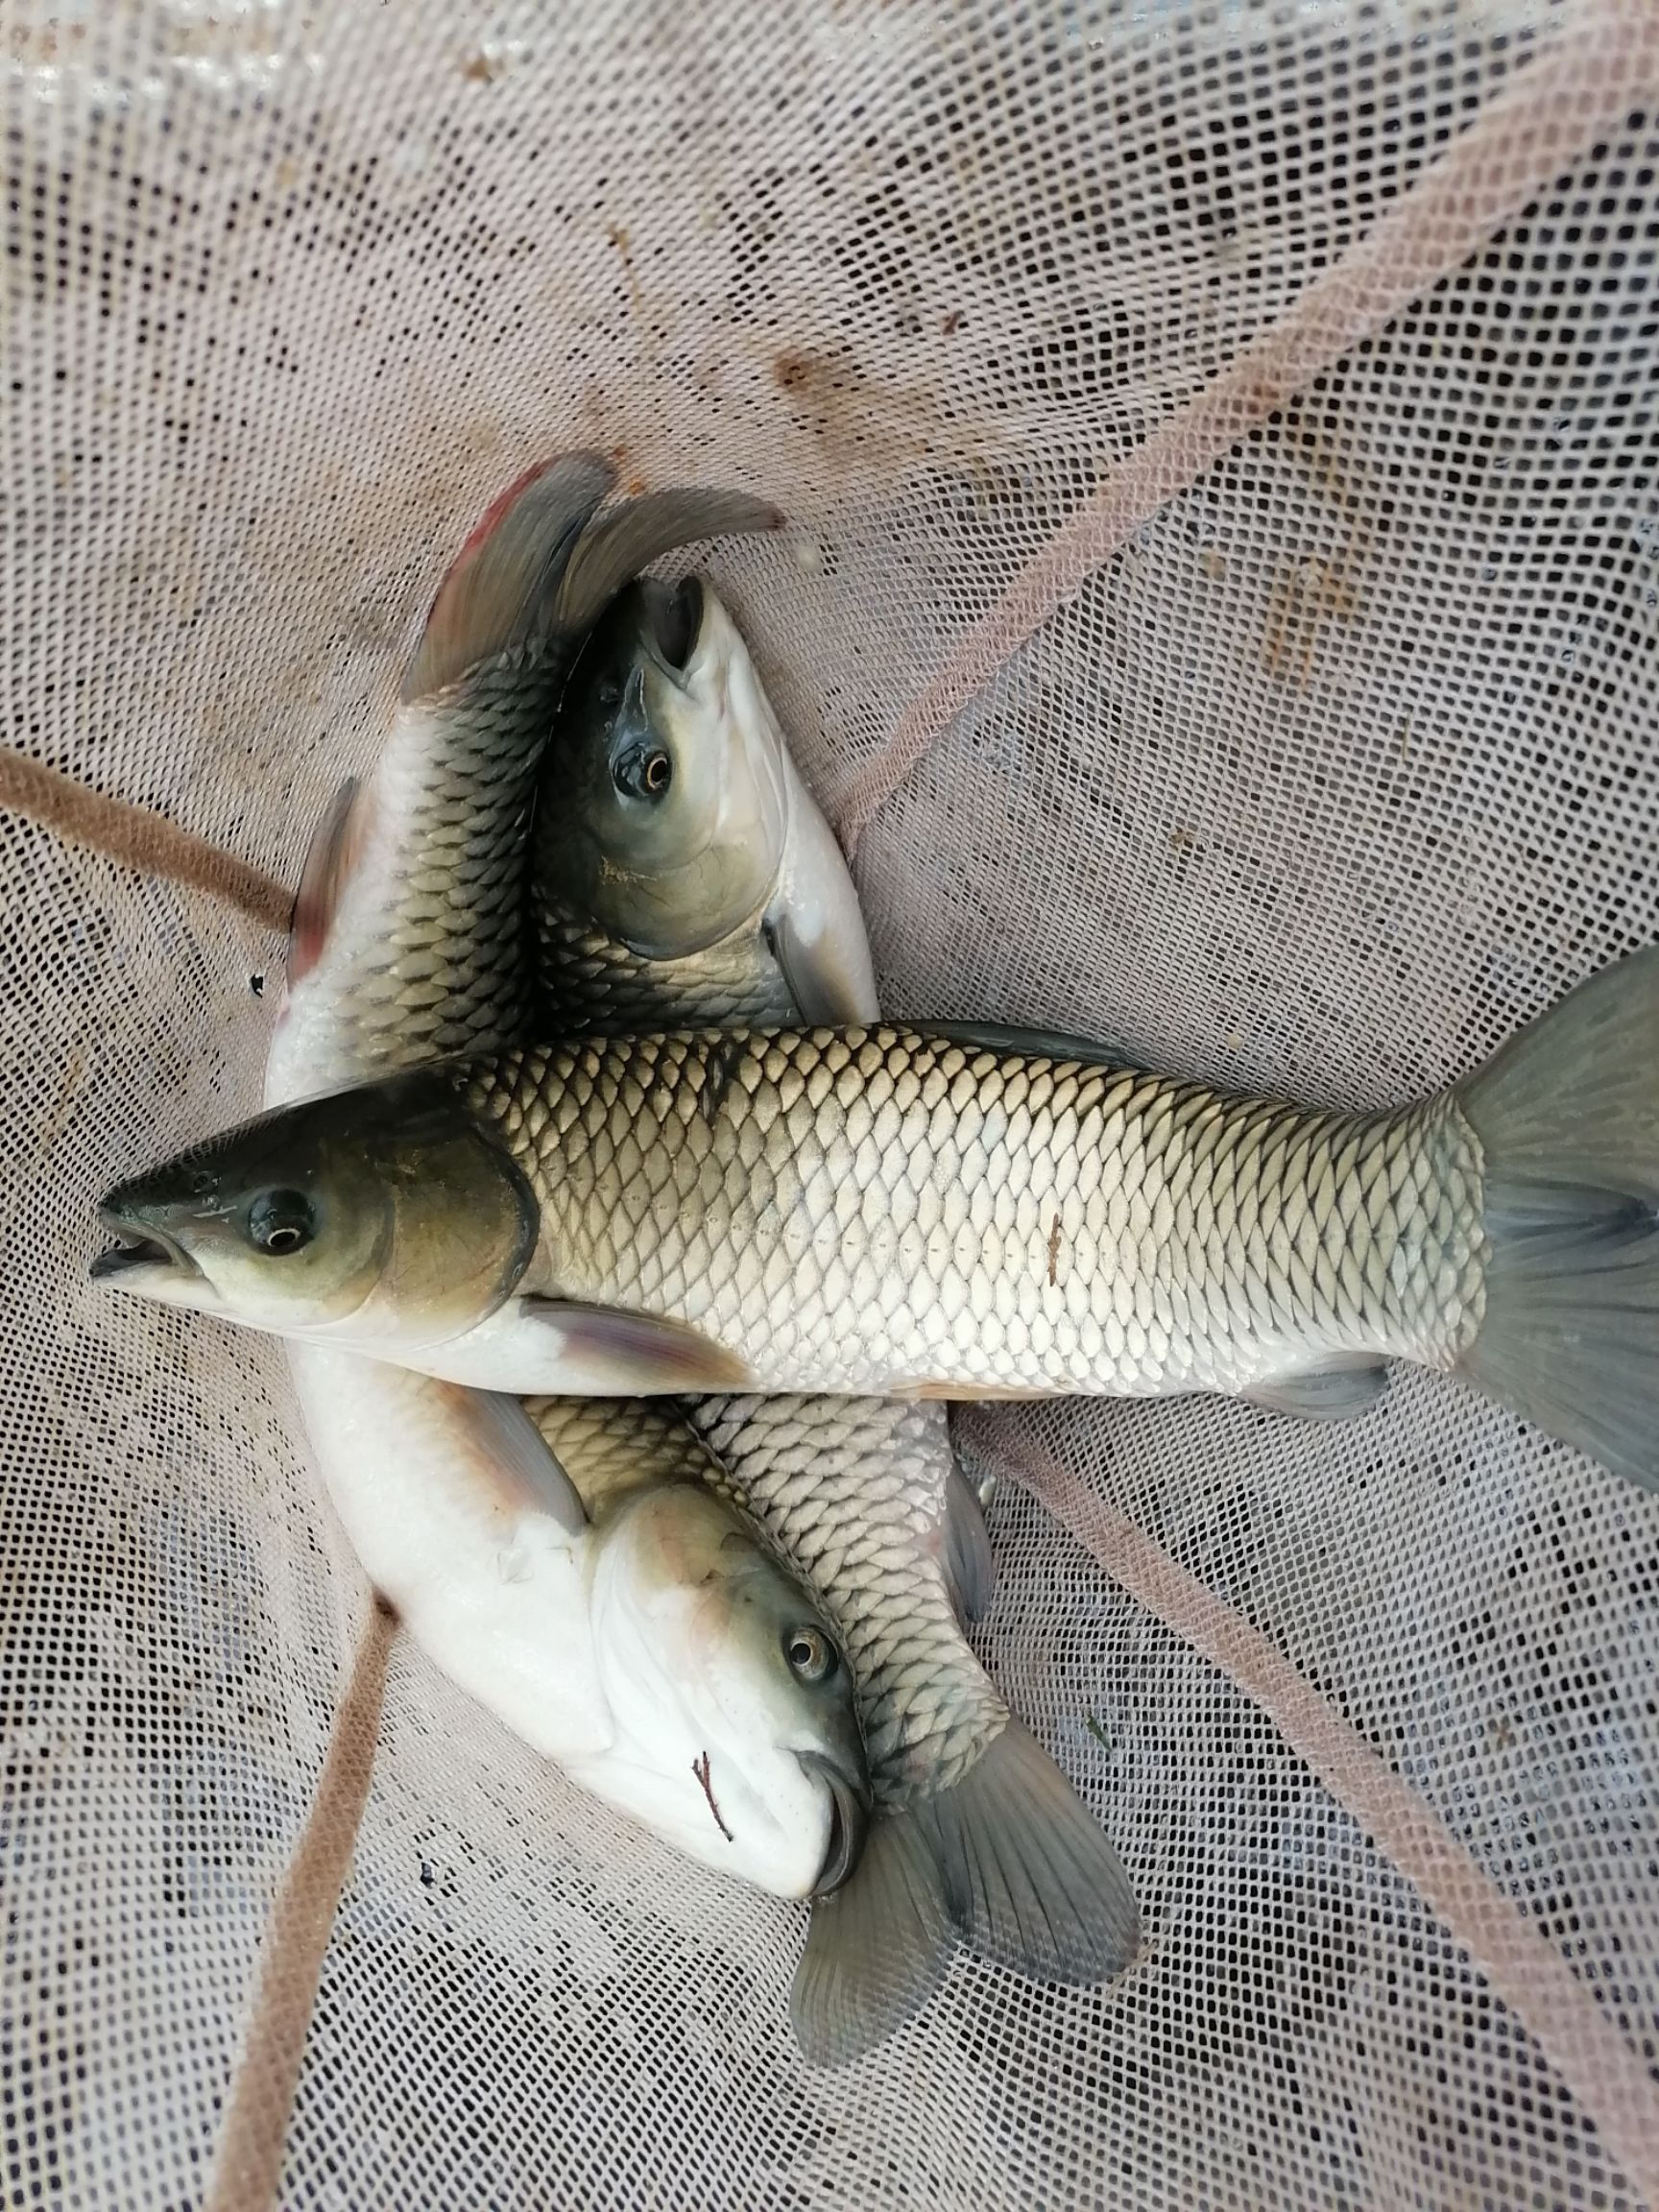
x=1029 y=1876
x=877 y=1947
x=1567 y=1117
x=613 y=550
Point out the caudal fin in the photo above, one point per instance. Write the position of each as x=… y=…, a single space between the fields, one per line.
x=877 y=1948
x=1029 y=1877
x=1567 y=1116
x=613 y=550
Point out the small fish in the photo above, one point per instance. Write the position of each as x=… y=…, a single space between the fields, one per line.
x=874 y=1212
x=601 y=1602
x=683 y=873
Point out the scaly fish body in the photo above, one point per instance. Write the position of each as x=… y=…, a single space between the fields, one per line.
x=887 y=1212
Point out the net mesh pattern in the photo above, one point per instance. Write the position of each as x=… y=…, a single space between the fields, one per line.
x=1340 y=767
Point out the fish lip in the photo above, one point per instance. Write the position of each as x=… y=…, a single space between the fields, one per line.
x=137 y=1250
x=848 y=1823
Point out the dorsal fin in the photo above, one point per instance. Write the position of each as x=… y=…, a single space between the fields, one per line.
x=332 y=855
x=501 y=582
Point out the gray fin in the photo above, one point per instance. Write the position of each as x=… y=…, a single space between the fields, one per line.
x=1335 y=1393
x=1031 y=1877
x=876 y=1949
x=632 y=536
x=1567 y=1116
x=970 y=1568
x=1041 y=1043
x=520 y=1457
x=607 y=1353
x=826 y=994
x=499 y=584
x=328 y=863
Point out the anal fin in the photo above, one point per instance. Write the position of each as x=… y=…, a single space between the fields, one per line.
x=1332 y=1393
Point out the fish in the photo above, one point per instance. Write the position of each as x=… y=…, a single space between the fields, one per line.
x=892 y=1213
x=603 y=1603
x=682 y=872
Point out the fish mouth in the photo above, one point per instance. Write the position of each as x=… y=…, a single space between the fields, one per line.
x=675 y=617
x=848 y=1823
x=671 y=622
x=139 y=1255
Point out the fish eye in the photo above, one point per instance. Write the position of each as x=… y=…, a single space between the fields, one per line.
x=280 y=1222
x=643 y=773
x=811 y=1653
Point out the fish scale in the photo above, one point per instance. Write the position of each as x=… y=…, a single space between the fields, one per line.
x=1045 y=1250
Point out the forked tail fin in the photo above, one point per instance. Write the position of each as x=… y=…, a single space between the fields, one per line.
x=1567 y=1116
x=1010 y=1855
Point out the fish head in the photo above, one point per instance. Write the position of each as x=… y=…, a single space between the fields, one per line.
x=664 y=799
x=738 y=1737
x=672 y=815
x=383 y=1215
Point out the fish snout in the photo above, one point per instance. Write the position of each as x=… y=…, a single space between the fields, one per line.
x=138 y=1250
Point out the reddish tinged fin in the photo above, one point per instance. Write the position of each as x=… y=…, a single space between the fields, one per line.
x=335 y=845
x=512 y=1455
x=500 y=585
x=605 y=1352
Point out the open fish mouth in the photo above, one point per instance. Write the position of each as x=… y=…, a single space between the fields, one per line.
x=140 y=1257
x=848 y=1823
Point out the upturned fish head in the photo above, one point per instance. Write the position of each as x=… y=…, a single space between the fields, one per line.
x=381 y=1214
x=733 y=1703
x=663 y=800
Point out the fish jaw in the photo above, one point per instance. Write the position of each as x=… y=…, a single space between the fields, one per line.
x=147 y=1262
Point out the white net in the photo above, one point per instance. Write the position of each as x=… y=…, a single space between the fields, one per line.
x=1340 y=761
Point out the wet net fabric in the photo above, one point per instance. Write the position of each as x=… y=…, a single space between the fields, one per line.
x=1342 y=763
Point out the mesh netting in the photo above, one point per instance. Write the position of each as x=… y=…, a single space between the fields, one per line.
x=1340 y=762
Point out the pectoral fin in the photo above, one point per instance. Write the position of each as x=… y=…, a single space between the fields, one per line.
x=605 y=1353
x=513 y=1455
